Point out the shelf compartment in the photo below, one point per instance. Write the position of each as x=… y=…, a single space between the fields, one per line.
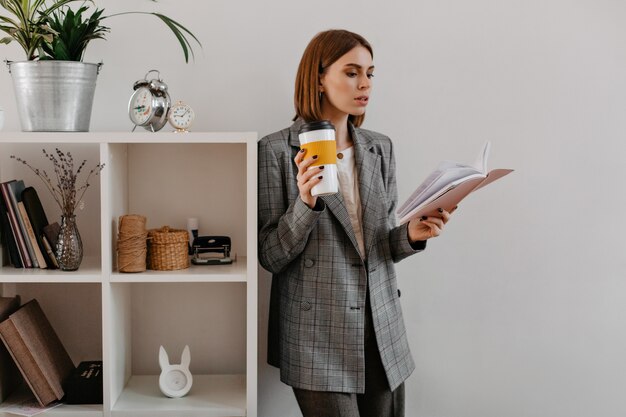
x=90 y=271
x=74 y=311
x=209 y=317
x=236 y=272
x=88 y=213
x=210 y=396
x=170 y=182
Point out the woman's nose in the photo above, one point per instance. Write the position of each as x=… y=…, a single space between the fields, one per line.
x=364 y=82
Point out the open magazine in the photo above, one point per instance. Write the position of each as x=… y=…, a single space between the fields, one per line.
x=447 y=185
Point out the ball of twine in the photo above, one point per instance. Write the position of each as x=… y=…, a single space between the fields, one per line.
x=131 y=243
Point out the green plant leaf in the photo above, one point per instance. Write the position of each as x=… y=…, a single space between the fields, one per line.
x=53 y=30
x=175 y=27
x=73 y=34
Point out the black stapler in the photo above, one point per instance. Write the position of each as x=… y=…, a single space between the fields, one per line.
x=211 y=250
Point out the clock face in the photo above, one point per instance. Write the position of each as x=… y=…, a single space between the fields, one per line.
x=175 y=380
x=181 y=116
x=140 y=106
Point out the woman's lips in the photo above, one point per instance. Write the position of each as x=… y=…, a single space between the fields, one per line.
x=362 y=100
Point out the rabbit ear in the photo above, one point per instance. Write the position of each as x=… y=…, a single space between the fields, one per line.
x=186 y=358
x=164 y=361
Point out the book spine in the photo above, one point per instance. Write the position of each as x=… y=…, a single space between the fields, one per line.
x=19 y=259
x=26 y=363
x=19 y=238
x=44 y=344
x=49 y=251
x=38 y=220
x=15 y=196
x=31 y=236
x=8 y=239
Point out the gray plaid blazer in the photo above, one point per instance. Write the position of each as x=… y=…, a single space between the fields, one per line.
x=320 y=280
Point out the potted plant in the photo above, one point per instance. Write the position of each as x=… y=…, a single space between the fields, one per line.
x=54 y=89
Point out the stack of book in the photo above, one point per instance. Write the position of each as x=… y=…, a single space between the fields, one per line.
x=28 y=238
x=37 y=351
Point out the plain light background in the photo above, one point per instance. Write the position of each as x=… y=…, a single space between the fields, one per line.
x=518 y=309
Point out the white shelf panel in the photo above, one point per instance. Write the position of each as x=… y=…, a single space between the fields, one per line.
x=24 y=394
x=128 y=137
x=210 y=396
x=67 y=411
x=89 y=271
x=236 y=272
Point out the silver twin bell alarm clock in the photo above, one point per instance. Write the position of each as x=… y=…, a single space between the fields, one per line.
x=150 y=103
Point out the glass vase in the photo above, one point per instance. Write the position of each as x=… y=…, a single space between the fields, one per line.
x=69 y=249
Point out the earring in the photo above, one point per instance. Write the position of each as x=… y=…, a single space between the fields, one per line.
x=321 y=95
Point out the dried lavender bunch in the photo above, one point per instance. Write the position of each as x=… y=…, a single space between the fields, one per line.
x=63 y=188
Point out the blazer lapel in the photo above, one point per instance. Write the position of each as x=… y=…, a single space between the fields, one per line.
x=334 y=202
x=369 y=177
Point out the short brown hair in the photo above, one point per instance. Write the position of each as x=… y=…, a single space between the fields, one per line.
x=323 y=50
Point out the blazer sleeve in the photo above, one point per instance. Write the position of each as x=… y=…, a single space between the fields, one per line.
x=284 y=227
x=399 y=242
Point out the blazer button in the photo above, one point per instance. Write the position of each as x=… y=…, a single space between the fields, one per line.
x=309 y=263
x=305 y=305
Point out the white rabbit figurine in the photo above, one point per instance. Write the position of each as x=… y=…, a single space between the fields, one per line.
x=175 y=380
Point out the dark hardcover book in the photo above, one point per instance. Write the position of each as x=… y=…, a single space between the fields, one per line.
x=8 y=239
x=15 y=193
x=15 y=227
x=37 y=352
x=38 y=220
x=9 y=375
x=84 y=386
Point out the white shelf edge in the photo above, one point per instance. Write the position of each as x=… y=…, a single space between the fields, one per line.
x=89 y=271
x=128 y=137
x=67 y=411
x=236 y=272
x=210 y=396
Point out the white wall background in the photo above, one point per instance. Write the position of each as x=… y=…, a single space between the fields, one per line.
x=519 y=309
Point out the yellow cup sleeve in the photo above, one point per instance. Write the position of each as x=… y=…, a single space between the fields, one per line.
x=326 y=151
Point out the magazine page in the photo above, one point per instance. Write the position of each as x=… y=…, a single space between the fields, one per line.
x=446 y=174
x=447 y=185
x=452 y=187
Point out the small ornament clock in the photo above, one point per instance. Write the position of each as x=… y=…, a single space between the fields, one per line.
x=175 y=380
x=150 y=103
x=181 y=116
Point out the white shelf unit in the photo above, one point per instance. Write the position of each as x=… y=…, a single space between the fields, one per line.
x=121 y=318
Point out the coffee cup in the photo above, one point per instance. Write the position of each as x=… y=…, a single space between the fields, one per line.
x=318 y=138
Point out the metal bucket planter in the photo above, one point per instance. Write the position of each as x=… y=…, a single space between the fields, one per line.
x=54 y=96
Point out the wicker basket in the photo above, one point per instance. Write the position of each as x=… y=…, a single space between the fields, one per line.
x=168 y=249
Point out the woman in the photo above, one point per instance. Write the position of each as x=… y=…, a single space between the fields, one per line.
x=336 y=329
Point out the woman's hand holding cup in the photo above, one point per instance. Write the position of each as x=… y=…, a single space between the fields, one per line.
x=307 y=179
